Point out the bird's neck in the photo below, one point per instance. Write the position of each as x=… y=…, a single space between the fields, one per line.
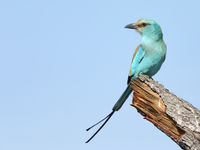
x=154 y=35
x=150 y=42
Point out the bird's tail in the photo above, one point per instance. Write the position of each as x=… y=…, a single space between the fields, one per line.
x=122 y=98
x=116 y=107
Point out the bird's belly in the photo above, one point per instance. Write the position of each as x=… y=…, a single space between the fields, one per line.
x=153 y=70
x=154 y=66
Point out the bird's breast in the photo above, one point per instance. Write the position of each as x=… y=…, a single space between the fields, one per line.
x=155 y=51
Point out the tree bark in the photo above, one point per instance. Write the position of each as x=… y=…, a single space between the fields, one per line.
x=175 y=117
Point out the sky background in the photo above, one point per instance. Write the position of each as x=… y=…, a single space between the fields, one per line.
x=63 y=65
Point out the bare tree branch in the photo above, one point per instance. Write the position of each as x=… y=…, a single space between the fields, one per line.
x=177 y=118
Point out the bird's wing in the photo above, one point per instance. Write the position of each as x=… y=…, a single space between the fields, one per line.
x=137 y=57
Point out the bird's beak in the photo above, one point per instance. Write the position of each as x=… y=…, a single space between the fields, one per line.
x=131 y=26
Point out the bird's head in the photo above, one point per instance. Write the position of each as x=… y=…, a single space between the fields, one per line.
x=146 y=27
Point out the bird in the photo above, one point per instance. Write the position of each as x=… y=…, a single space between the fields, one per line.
x=147 y=59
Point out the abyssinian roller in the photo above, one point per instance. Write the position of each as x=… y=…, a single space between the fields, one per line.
x=147 y=59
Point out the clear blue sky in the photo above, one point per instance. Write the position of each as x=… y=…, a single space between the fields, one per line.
x=63 y=64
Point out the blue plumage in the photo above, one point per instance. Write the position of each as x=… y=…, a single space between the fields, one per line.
x=147 y=59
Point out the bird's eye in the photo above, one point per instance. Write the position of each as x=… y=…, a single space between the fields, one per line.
x=144 y=24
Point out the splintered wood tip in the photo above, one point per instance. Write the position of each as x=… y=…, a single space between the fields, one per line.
x=151 y=106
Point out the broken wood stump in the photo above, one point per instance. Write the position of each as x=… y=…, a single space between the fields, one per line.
x=177 y=118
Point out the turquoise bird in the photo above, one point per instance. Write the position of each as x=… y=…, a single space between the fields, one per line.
x=147 y=59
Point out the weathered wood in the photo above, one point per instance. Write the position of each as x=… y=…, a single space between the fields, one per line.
x=175 y=117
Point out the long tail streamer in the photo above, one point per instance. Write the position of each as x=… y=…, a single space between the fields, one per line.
x=106 y=118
